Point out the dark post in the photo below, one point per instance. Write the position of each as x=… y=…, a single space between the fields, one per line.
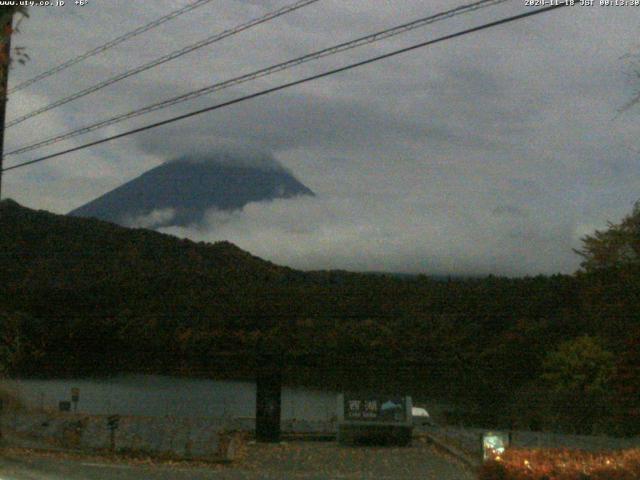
x=75 y=396
x=112 y=423
x=268 y=401
x=4 y=82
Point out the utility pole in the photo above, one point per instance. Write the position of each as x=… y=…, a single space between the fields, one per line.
x=4 y=82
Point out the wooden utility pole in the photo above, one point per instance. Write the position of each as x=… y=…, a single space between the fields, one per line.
x=4 y=82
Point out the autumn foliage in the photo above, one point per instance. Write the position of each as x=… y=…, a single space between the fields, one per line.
x=81 y=297
x=547 y=464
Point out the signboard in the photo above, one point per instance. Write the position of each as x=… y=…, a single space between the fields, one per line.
x=386 y=409
x=374 y=419
x=493 y=444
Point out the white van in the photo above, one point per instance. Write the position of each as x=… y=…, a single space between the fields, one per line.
x=420 y=416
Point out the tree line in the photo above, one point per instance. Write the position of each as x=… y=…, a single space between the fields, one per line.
x=82 y=297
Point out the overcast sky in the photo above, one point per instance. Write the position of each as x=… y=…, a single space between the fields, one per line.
x=491 y=153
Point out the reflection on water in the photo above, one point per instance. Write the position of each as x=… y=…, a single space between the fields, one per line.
x=156 y=395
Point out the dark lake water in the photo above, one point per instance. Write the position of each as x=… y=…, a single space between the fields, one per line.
x=156 y=395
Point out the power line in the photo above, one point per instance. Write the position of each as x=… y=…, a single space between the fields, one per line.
x=165 y=58
x=261 y=73
x=110 y=44
x=296 y=82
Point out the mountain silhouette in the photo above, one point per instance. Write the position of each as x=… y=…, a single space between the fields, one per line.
x=180 y=191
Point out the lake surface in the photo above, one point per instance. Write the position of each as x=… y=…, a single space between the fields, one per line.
x=157 y=395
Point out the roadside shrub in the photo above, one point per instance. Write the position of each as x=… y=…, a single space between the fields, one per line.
x=11 y=400
x=551 y=464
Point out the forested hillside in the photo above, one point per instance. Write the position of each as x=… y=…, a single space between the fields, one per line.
x=85 y=297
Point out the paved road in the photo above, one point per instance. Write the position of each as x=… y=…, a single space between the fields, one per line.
x=295 y=460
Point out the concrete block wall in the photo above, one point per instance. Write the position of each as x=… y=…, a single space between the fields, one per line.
x=210 y=438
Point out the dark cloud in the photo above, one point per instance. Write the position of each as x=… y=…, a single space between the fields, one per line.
x=236 y=155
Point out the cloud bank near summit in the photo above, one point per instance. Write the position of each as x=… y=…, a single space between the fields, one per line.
x=409 y=235
x=226 y=155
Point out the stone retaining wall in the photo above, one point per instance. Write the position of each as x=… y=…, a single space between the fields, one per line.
x=208 y=439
